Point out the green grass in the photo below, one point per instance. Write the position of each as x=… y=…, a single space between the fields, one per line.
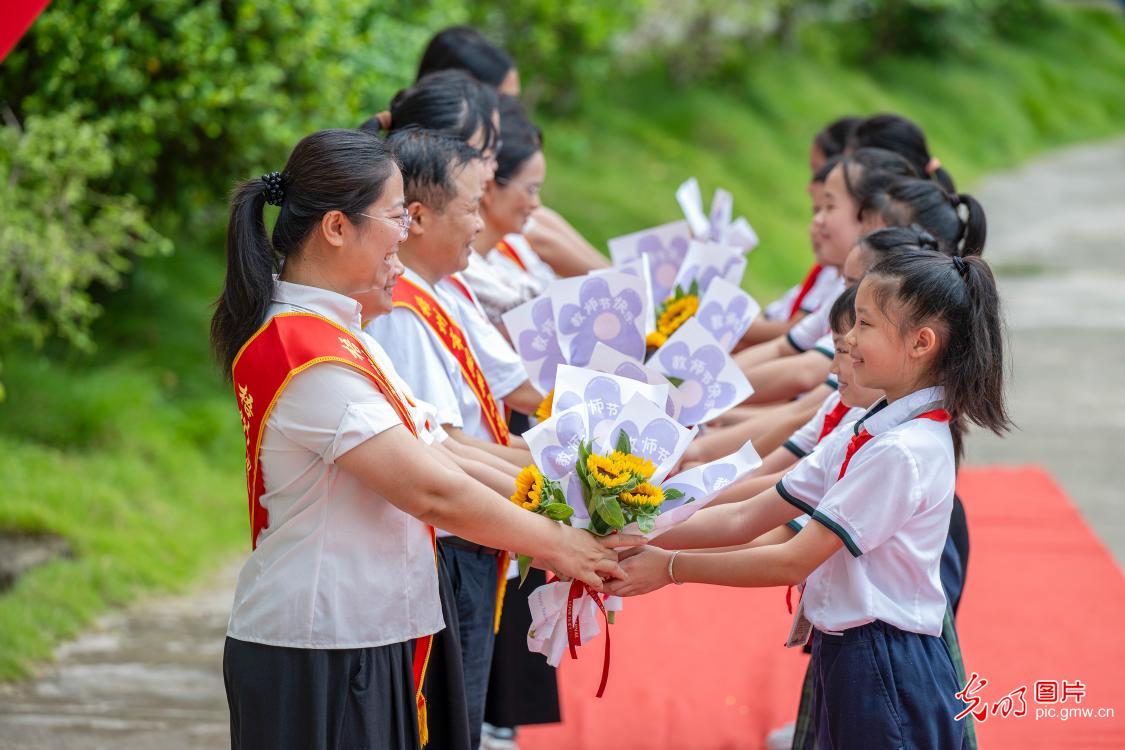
x=134 y=454
x=615 y=167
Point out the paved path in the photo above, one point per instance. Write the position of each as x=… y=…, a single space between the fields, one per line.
x=150 y=677
x=1056 y=237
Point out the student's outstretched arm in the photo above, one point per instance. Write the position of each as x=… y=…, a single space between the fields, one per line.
x=783 y=379
x=773 y=349
x=405 y=471
x=731 y=524
x=746 y=488
x=785 y=564
x=763 y=330
x=524 y=399
x=561 y=246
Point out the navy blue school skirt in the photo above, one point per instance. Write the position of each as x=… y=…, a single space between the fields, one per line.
x=876 y=687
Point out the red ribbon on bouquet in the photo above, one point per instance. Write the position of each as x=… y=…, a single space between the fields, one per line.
x=578 y=589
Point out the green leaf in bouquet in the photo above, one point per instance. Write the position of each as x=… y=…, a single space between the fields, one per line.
x=607 y=507
x=693 y=290
x=623 y=443
x=677 y=382
x=646 y=523
x=557 y=511
x=672 y=494
x=524 y=563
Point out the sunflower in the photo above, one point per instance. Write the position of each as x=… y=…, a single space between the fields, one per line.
x=643 y=496
x=676 y=312
x=543 y=412
x=529 y=488
x=641 y=467
x=655 y=340
x=607 y=471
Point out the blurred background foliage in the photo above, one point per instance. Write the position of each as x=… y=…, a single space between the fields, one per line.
x=124 y=123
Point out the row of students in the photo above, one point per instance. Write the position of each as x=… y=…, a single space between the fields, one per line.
x=877 y=188
x=879 y=496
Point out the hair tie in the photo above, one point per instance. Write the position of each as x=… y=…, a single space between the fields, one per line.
x=955 y=200
x=933 y=165
x=275 y=189
x=960 y=265
x=384 y=119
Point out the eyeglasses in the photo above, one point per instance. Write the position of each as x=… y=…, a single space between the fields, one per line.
x=403 y=223
x=531 y=188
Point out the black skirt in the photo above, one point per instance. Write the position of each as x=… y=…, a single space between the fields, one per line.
x=444 y=689
x=320 y=699
x=522 y=688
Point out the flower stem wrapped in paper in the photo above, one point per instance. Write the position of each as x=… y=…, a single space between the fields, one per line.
x=614 y=480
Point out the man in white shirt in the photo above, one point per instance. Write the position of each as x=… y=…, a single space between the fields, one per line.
x=431 y=342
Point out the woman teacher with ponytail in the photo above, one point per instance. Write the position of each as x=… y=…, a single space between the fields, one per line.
x=335 y=606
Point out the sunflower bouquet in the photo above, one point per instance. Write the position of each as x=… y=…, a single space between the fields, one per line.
x=610 y=480
x=617 y=488
x=538 y=494
x=676 y=310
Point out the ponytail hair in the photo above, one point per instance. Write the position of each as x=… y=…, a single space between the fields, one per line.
x=867 y=172
x=330 y=170
x=450 y=102
x=465 y=48
x=904 y=137
x=957 y=221
x=958 y=297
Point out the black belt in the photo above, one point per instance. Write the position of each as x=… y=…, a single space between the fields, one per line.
x=465 y=544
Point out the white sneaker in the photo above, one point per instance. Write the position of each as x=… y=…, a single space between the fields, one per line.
x=497 y=738
x=780 y=738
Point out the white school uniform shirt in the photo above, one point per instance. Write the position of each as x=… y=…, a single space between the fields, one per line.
x=802 y=442
x=891 y=510
x=810 y=331
x=823 y=287
x=338 y=566
x=538 y=273
x=497 y=290
x=428 y=366
x=502 y=367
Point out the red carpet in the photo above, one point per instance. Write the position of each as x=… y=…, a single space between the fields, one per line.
x=1044 y=601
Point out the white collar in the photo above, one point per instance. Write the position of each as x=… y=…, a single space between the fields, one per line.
x=336 y=307
x=883 y=416
x=413 y=277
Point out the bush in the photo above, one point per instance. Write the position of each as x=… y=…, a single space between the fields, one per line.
x=135 y=108
x=61 y=234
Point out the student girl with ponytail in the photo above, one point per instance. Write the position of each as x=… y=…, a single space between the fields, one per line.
x=928 y=334
x=336 y=604
x=897 y=133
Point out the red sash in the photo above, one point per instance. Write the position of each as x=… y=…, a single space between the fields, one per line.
x=832 y=420
x=806 y=287
x=460 y=285
x=409 y=295
x=510 y=253
x=289 y=344
x=860 y=438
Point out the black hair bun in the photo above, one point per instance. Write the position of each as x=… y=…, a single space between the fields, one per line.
x=924 y=239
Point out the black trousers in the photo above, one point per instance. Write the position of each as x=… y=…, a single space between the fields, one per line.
x=320 y=699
